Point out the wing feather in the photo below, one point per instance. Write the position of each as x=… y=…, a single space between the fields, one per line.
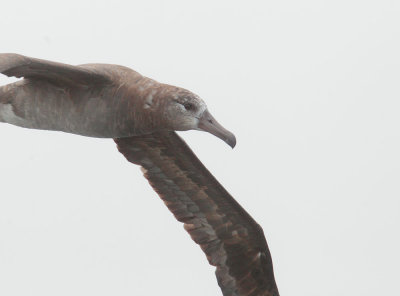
x=21 y=66
x=228 y=235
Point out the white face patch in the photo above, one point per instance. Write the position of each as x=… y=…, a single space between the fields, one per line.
x=193 y=119
x=202 y=108
x=185 y=110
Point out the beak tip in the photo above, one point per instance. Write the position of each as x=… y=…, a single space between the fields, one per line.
x=208 y=124
x=231 y=141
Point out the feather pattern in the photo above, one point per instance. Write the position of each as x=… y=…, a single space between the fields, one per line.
x=228 y=235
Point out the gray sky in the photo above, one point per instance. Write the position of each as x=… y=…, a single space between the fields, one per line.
x=311 y=90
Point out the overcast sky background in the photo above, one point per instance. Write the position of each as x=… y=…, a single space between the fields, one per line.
x=311 y=90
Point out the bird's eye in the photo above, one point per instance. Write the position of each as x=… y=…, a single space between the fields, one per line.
x=188 y=106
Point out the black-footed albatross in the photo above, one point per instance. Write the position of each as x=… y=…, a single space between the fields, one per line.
x=142 y=115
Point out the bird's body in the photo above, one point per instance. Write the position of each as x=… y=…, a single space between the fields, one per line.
x=124 y=103
x=39 y=104
x=111 y=101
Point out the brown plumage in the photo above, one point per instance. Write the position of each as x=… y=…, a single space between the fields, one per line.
x=141 y=114
x=228 y=235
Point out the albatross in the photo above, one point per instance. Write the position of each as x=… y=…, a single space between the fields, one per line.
x=142 y=115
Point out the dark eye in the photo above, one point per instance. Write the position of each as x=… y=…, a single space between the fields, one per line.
x=188 y=106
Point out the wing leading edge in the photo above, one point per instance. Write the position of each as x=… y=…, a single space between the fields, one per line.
x=19 y=66
x=230 y=238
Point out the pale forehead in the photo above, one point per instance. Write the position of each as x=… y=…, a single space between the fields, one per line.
x=186 y=96
x=198 y=99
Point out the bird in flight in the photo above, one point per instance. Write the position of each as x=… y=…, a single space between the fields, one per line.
x=142 y=115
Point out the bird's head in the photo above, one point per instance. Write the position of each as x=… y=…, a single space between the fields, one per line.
x=185 y=110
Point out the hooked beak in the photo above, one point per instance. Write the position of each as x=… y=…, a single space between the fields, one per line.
x=208 y=123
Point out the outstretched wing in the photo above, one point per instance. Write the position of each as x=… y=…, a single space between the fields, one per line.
x=62 y=74
x=230 y=238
